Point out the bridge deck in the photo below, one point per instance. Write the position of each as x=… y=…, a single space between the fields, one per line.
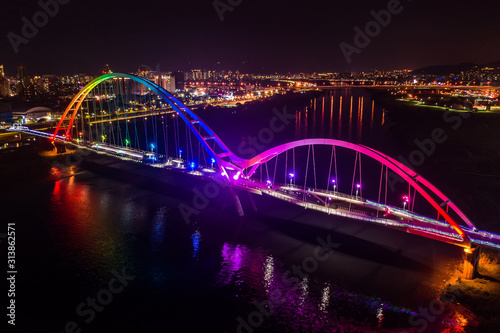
x=329 y=202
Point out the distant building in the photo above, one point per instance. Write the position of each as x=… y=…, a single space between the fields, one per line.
x=167 y=82
x=21 y=73
x=179 y=80
x=37 y=114
x=4 y=87
x=21 y=81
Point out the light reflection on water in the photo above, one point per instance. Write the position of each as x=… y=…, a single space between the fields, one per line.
x=298 y=304
x=232 y=259
x=325 y=298
x=363 y=118
x=268 y=272
x=158 y=232
x=196 y=238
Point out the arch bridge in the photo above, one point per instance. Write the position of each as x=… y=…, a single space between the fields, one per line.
x=130 y=117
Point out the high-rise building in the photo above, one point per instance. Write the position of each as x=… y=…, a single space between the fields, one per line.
x=179 y=80
x=4 y=86
x=2 y=73
x=21 y=80
x=21 y=73
x=167 y=82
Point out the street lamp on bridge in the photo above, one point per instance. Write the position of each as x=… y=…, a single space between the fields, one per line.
x=291 y=178
x=358 y=187
x=406 y=200
x=334 y=185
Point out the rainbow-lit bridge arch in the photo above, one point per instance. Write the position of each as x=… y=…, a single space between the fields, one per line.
x=223 y=156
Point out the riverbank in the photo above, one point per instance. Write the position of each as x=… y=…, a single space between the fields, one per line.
x=476 y=302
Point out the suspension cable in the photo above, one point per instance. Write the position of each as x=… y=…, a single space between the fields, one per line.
x=329 y=171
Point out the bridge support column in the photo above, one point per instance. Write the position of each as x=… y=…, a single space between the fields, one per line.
x=60 y=147
x=471 y=262
x=236 y=202
x=252 y=202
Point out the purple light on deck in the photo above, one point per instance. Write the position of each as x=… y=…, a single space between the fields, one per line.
x=358 y=185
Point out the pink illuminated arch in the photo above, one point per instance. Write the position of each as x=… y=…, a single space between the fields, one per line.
x=419 y=183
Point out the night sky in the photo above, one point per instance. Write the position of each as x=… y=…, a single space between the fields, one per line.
x=259 y=36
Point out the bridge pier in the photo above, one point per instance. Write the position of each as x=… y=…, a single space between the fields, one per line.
x=252 y=202
x=231 y=194
x=60 y=147
x=471 y=262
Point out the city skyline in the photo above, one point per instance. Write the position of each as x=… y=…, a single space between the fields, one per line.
x=255 y=37
x=436 y=70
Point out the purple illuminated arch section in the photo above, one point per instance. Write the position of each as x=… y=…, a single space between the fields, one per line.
x=225 y=159
x=419 y=183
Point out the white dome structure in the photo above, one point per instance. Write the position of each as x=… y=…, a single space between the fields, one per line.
x=39 y=112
